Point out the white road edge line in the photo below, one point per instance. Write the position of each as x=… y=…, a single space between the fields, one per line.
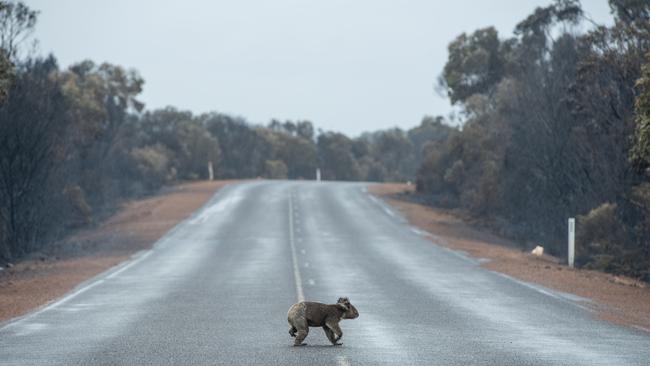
x=539 y=289
x=128 y=265
x=79 y=291
x=383 y=207
x=294 y=257
x=638 y=327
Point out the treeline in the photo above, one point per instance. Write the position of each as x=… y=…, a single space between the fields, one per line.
x=75 y=142
x=557 y=126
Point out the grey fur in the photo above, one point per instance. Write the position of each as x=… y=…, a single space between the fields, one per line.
x=307 y=314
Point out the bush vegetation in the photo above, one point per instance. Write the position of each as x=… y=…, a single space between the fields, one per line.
x=556 y=126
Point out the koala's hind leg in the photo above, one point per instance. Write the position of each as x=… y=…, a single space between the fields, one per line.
x=299 y=329
x=300 y=336
x=296 y=318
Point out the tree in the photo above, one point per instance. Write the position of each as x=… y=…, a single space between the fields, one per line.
x=394 y=152
x=635 y=14
x=32 y=146
x=336 y=159
x=149 y=168
x=6 y=75
x=275 y=169
x=475 y=64
x=17 y=22
x=305 y=129
x=299 y=155
x=244 y=150
x=556 y=125
x=640 y=152
x=102 y=100
x=186 y=139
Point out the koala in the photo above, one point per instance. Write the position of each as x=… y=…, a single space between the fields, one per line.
x=307 y=314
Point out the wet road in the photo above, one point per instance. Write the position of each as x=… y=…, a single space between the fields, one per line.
x=215 y=290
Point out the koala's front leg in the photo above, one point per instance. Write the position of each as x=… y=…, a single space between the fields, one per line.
x=336 y=335
x=330 y=335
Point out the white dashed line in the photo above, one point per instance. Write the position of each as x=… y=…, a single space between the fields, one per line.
x=296 y=269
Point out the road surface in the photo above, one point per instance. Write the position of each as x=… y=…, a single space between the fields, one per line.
x=216 y=289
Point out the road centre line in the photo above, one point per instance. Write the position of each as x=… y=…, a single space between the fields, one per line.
x=294 y=257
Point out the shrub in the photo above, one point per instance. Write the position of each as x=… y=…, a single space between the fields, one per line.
x=275 y=169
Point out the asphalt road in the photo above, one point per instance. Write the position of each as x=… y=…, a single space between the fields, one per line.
x=216 y=289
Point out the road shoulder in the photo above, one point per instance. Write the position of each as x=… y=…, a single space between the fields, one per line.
x=618 y=299
x=136 y=226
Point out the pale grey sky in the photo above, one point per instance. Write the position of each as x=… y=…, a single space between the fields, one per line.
x=346 y=65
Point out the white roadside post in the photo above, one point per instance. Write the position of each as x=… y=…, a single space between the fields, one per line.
x=210 y=171
x=318 y=175
x=572 y=241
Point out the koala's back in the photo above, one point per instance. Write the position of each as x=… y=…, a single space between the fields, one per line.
x=314 y=312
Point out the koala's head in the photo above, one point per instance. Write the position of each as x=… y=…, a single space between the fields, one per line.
x=350 y=311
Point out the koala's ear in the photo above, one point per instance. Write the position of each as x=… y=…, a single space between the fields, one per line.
x=343 y=300
x=342 y=306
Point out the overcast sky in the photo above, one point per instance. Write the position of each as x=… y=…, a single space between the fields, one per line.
x=350 y=66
